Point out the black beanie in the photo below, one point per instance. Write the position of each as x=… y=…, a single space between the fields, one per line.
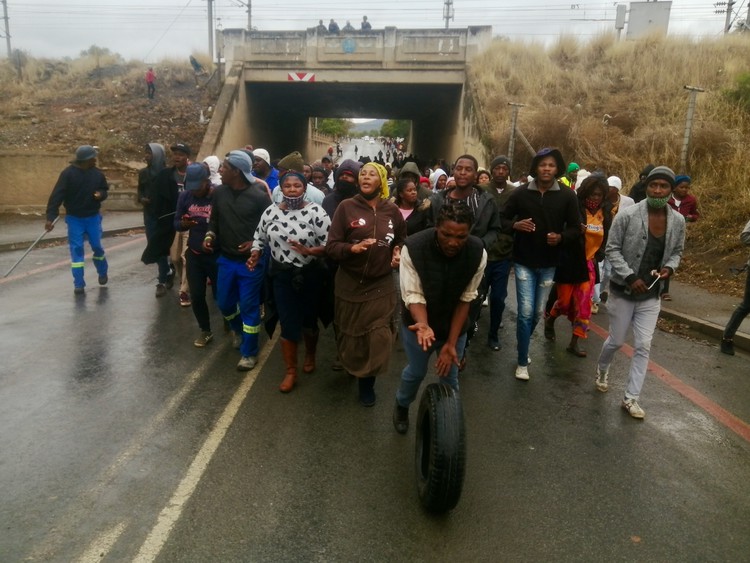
x=500 y=160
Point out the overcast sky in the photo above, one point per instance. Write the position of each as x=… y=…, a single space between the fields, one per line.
x=150 y=30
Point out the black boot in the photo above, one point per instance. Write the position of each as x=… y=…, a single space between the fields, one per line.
x=400 y=418
x=727 y=346
x=366 y=391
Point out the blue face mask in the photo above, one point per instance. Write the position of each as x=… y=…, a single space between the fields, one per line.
x=657 y=202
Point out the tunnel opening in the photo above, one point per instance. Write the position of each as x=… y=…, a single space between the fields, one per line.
x=279 y=114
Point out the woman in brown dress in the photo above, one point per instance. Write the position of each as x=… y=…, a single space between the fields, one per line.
x=367 y=232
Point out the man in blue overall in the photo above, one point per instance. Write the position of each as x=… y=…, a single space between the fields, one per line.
x=81 y=188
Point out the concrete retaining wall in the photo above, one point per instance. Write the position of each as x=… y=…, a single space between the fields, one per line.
x=27 y=179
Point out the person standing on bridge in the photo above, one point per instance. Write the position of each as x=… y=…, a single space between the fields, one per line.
x=645 y=245
x=365 y=25
x=367 y=232
x=237 y=208
x=333 y=27
x=81 y=188
x=440 y=273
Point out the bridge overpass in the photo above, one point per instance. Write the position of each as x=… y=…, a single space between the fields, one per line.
x=276 y=82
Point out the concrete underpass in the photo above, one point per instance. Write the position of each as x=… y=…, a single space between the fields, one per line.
x=278 y=81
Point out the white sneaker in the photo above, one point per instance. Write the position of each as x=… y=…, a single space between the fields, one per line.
x=633 y=408
x=246 y=363
x=522 y=373
x=601 y=380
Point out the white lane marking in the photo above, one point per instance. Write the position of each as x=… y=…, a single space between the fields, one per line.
x=171 y=513
x=101 y=545
x=81 y=509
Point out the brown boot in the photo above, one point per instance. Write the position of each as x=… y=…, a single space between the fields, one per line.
x=289 y=352
x=311 y=343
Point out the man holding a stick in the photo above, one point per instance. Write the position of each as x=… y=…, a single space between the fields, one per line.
x=81 y=188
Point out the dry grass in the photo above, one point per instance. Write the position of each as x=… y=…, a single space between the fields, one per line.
x=620 y=105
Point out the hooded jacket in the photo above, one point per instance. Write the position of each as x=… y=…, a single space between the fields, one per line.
x=147 y=175
x=412 y=168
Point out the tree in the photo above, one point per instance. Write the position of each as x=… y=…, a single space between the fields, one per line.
x=334 y=126
x=395 y=128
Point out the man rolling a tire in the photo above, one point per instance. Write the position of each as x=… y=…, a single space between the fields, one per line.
x=440 y=271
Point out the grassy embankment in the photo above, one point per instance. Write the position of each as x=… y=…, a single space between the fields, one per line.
x=621 y=105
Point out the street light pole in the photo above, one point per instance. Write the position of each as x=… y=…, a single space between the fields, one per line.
x=688 y=126
x=211 y=30
x=513 y=121
x=7 y=26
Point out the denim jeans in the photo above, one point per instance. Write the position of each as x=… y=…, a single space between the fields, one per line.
x=497 y=274
x=532 y=289
x=416 y=370
x=642 y=316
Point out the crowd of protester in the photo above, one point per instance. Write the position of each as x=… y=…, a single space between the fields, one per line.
x=395 y=247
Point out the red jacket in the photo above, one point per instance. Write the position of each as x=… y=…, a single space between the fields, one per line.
x=688 y=207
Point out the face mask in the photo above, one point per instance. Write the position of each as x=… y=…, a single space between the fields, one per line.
x=371 y=196
x=294 y=202
x=591 y=205
x=657 y=202
x=346 y=188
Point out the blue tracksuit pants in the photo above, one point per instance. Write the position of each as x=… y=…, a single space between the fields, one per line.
x=78 y=229
x=238 y=297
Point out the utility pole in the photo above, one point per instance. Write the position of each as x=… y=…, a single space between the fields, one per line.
x=728 y=22
x=448 y=12
x=513 y=122
x=694 y=90
x=7 y=27
x=211 y=30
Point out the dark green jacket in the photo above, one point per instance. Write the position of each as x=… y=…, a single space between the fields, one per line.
x=502 y=248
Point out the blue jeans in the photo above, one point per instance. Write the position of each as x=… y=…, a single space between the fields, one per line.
x=497 y=273
x=78 y=228
x=532 y=289
x=416 y=370
x=238 y=297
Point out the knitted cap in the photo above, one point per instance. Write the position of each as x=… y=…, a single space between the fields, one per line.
x=661 y=172
x=292 y=161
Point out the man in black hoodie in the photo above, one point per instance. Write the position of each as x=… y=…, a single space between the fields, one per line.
x=166 y=189
x=155 y=158
x=638 y=191
x=344 y=185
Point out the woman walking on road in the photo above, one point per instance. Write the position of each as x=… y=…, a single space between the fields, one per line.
x=294 y=232
x=577 y=273
x=366 y=236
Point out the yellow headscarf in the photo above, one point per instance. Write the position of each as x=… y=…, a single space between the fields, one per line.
x=383 y=173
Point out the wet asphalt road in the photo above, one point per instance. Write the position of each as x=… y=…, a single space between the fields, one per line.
x=110 y=447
